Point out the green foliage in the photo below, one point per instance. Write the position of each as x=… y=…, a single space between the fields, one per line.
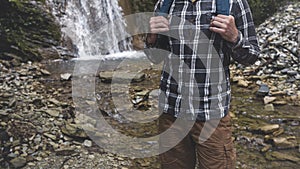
x=25 y=28
x=262 y=9
x=142 y=5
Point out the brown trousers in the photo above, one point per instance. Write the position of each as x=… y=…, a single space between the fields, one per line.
x=216 y=153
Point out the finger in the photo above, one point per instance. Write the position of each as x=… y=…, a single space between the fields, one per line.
x=159 y=30
x=218 y=24
x=217 y=30
x=222 y=20
x=159 y=19
x=158 y=25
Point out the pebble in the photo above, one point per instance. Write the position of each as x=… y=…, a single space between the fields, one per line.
x=87 y=143
x=269 y=107
x=65 y=76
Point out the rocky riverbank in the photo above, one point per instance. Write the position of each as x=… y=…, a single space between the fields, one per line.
x=276 y=74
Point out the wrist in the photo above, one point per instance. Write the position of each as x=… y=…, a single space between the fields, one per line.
x=151 y=39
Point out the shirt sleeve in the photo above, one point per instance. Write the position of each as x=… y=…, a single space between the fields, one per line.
x=246 y=49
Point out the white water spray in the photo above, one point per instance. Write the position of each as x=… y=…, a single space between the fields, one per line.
x=83 y=22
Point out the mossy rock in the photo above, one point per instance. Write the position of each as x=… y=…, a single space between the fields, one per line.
x=26 y=29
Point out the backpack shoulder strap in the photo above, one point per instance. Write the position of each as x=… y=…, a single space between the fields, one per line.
x=223 y=7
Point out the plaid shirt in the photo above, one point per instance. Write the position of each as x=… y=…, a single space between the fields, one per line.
x=195 y=78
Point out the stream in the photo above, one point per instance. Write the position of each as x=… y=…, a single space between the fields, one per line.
x=264 y=139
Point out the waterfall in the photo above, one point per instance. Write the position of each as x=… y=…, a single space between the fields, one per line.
x=93 y=25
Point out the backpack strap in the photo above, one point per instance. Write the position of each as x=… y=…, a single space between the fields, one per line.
x=223 y=7
x=165 y=7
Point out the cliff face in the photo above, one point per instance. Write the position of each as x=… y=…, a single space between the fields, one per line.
x=27 y=31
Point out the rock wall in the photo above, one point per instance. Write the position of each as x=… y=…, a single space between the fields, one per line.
x=27 y=31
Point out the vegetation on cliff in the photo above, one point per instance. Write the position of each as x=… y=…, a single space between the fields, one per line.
x=26 y=29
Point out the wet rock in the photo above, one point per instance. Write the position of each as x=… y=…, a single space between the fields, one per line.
x=243 y=83
x=266 y=148
x=285 y=142
x=280 y=102
x=53 y=112
x=268 y=99
x=18 y=162
x=269 y=107
x=237 y=78
x=292 y=72
x=87 y=143
x=73 y=130
x=51 y=136
x=3 y=113
x=278 y=132
x=121 y=76
x=65 y=76
x=54 y=101
x=45 y=72
x=295 y=123
x=269 y=128
x=282 y=157
x=263 y=90
x=65 y=151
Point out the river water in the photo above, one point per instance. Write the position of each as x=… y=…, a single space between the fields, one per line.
x=255 y=149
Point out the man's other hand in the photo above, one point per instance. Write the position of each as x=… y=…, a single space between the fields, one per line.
x=225 y=26
x=158 y=24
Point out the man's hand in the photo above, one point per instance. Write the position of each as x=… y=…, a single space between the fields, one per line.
x=157 y=24
x=225 y=26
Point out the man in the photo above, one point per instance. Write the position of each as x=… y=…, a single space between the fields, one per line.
x=192 y=85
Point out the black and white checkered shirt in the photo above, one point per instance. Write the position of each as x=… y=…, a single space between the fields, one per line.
x=195 y=77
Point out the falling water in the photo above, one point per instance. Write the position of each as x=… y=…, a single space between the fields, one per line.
x=95 y=26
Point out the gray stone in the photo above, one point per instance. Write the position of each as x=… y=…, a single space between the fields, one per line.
x=45 y=72
x=267 y=129
x=292 y=72
x=243 y=83
x=73 y=130
x=263 y=90
x=280 y=102
x=282 y=156
x=3 y=113
x=268 y=99
x=283 y=142
x=18 y=162
x=51 y=136
x=269 y=107
x=121 y=76
x=284 y=71
x=87 y=143
x=54 y=101
x=65 y=76
x=53 y=112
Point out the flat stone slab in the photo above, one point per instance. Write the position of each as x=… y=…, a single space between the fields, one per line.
x=121 y=76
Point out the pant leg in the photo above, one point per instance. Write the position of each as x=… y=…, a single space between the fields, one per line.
x=183 y=155
x=218 y=151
